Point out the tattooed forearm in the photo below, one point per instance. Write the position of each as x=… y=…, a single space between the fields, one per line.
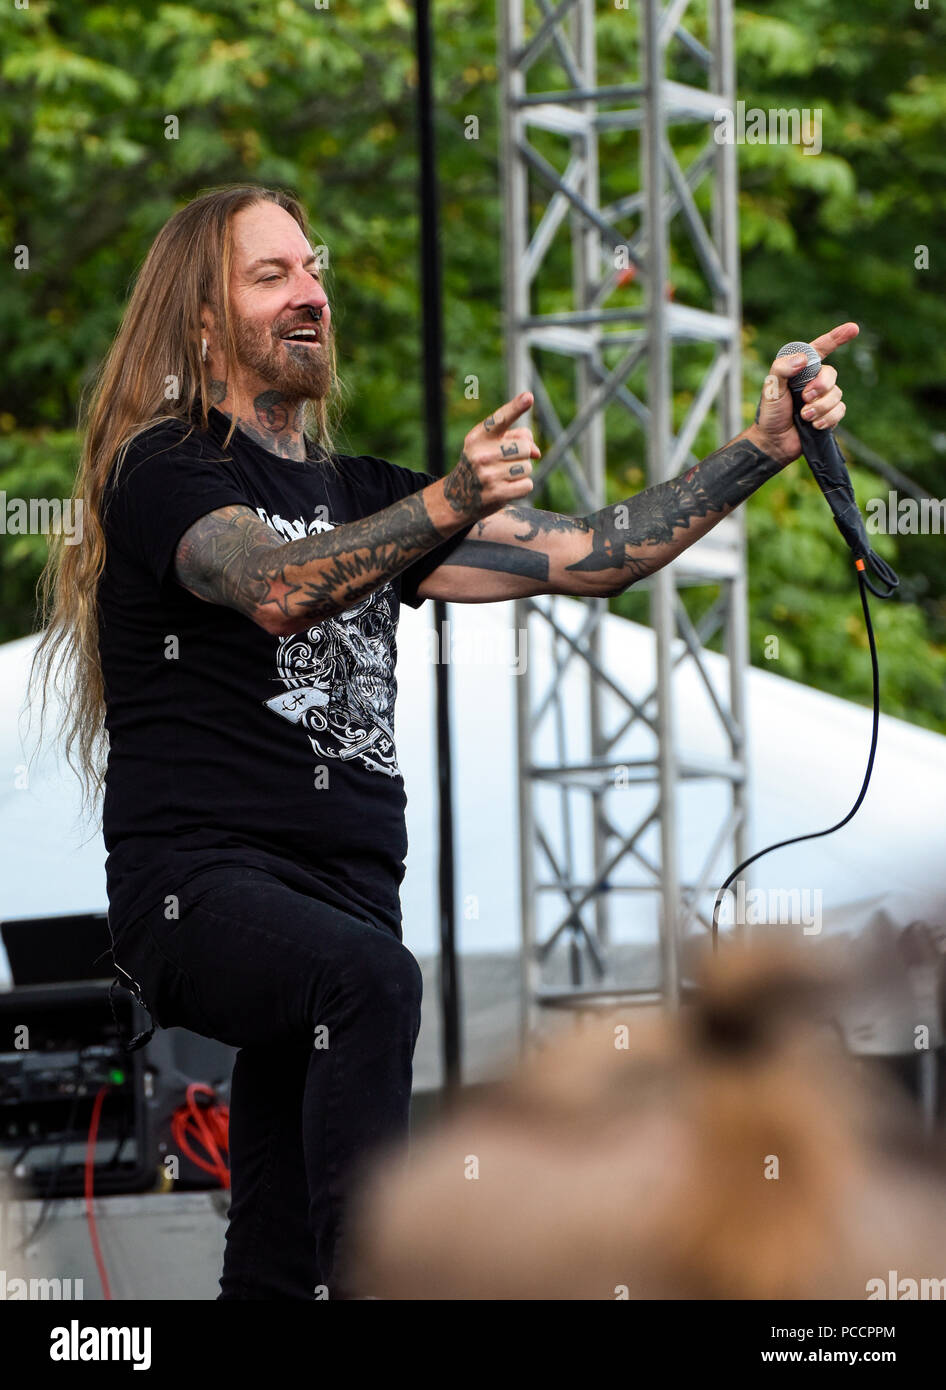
x=233 y=558
x=495 y=555
x=644 y=533
x=535 y=521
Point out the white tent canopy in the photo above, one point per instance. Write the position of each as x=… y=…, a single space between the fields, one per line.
x=808 y=752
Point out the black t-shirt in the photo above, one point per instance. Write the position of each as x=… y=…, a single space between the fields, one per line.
x=228 y=745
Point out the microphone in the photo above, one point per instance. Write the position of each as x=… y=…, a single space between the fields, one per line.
x=826 y=462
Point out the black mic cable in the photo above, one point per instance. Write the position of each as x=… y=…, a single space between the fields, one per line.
x=824 y=458
x=827 y=463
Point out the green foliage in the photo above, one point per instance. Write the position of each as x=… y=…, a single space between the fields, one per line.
x=802 y=590
x=820 y=247
x=323 y=101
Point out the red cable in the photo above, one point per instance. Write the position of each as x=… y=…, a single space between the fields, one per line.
x=210 y=1126
x=212 y=1129
x=89 y=1188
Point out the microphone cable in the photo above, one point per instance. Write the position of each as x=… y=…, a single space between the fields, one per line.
x=826 y=462
x=863 y=585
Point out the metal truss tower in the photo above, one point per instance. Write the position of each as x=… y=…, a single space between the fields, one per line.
x=627 y=313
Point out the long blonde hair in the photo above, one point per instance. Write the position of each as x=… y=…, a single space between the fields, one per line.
x=158 y=342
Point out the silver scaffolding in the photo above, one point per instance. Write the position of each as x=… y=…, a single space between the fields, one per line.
x=587 y=292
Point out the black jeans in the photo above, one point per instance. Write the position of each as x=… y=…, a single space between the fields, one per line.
x=325 y=1009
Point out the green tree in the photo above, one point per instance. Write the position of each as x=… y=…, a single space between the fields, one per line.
x=112 y=116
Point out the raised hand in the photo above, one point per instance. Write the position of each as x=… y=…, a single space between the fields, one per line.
x=495 y=464
x=774 y=430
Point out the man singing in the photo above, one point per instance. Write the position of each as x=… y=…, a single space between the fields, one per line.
x=229 y=620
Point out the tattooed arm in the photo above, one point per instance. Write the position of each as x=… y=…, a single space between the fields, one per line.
x=233 y=558
x=520 y=551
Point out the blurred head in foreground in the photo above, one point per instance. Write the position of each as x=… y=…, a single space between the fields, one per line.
x=731 y=1151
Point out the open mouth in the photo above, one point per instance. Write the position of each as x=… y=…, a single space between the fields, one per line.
x=303 y=335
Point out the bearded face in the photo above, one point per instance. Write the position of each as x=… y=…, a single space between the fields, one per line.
x=296 y=370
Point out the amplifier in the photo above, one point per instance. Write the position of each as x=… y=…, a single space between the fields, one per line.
x=59 y=1047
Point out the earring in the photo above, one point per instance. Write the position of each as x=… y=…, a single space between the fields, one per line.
x=203 y=354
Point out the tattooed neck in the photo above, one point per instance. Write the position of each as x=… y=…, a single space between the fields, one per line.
x=273 y=421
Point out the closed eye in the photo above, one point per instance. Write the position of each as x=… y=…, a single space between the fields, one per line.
x=314 y=273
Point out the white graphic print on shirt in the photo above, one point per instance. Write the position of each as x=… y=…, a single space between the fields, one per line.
x=339 y=674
